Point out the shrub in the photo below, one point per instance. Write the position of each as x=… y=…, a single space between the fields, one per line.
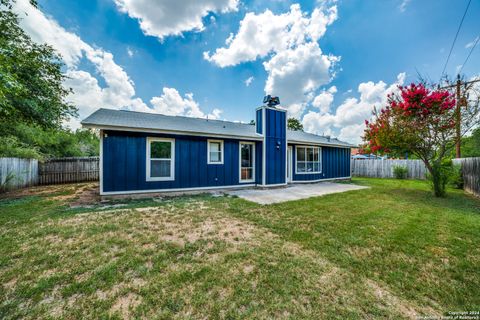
x=456 y=177
x=400 y=172
x=12 y=147
x=446 y=173
x=5 y=185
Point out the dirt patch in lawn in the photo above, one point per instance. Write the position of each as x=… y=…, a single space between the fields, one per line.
x=228 y=230
x=125 y=304
x=87 y=196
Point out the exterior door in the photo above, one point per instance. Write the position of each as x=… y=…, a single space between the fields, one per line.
x=247 y=162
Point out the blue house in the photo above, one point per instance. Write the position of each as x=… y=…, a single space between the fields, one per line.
x=144 y=152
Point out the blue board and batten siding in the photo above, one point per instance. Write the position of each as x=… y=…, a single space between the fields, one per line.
x=335 y=164
x=275 y=146
x=124 y=159
x=124 y=163
x=259 y=121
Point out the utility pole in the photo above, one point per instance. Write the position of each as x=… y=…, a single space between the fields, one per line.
x=458 y=120
x=461 y=101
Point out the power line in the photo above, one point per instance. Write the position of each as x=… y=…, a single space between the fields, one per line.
x=469 y=54
x=455 y=39
x=454 y=85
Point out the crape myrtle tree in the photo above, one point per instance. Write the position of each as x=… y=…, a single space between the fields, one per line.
x=422 y=121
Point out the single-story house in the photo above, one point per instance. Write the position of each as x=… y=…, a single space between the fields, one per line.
x=146 y=152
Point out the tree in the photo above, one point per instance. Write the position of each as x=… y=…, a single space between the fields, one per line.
x=294 y=124
x=33 y=99
x=31 y=81
x=422 y=122
x=470 y=145
x=31 y=141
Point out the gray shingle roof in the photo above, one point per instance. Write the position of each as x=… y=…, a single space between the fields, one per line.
x=111 y=119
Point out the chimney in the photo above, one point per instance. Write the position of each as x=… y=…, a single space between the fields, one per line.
x=271 y=123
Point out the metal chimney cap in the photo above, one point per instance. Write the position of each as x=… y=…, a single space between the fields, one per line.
x=271 y=101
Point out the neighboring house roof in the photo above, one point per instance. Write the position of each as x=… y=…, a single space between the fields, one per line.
x=142 y=121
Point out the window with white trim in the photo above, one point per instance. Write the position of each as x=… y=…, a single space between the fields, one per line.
x=160 y=159
x=247 y=161
x=215 y=151
x=308 y=160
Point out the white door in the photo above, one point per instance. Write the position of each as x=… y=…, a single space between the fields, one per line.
x=289 y=164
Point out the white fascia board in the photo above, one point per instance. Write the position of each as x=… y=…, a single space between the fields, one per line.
x=176 y=132
x=307 y=143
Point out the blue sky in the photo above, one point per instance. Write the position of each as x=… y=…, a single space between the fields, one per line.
x=329 y=61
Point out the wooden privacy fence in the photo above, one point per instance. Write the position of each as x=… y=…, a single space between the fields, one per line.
x=470 y=173
x=18 y=173
x=384 y=168
x=67 y=170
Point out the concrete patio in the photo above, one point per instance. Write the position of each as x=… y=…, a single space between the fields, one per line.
x=293 y=192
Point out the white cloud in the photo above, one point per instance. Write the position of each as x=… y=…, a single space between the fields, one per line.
x=471 y=43
x=172 y=103
x=265 y=33
x=348 y=119
x=88 y=95
x=296 y=74
x=249 y=80
x=130 y=52
x=295 y=65
x=324 y=100
x=162 y=18
x=403 y=5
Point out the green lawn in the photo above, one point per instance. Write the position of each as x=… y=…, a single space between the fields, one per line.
x=390 y=251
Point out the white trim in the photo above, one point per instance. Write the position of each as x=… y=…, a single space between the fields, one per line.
x=289 y=164
x=206 y=134
x=177 y=132
x=319 y=180
x=222 y=150
x=176 y=189
x=273 y=108
x=286 y=146
x=264 y=148
x=172 y=159
x=303 y=143
x=240 y=161
x=320 y=159
x=100 y=164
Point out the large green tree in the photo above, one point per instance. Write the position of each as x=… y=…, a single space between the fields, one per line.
x=31 y=77
x=33 y=102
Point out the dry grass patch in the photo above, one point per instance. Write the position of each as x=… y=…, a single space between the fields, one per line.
x=203 y=257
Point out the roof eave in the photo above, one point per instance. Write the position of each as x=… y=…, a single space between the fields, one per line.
x=177 y=132
x=320 y=143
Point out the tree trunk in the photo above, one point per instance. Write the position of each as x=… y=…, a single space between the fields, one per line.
x=438 y=179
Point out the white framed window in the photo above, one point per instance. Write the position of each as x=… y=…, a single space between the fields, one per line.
x=308 y=160
x=160 y=159
x=215 y=151
x=247 y=161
